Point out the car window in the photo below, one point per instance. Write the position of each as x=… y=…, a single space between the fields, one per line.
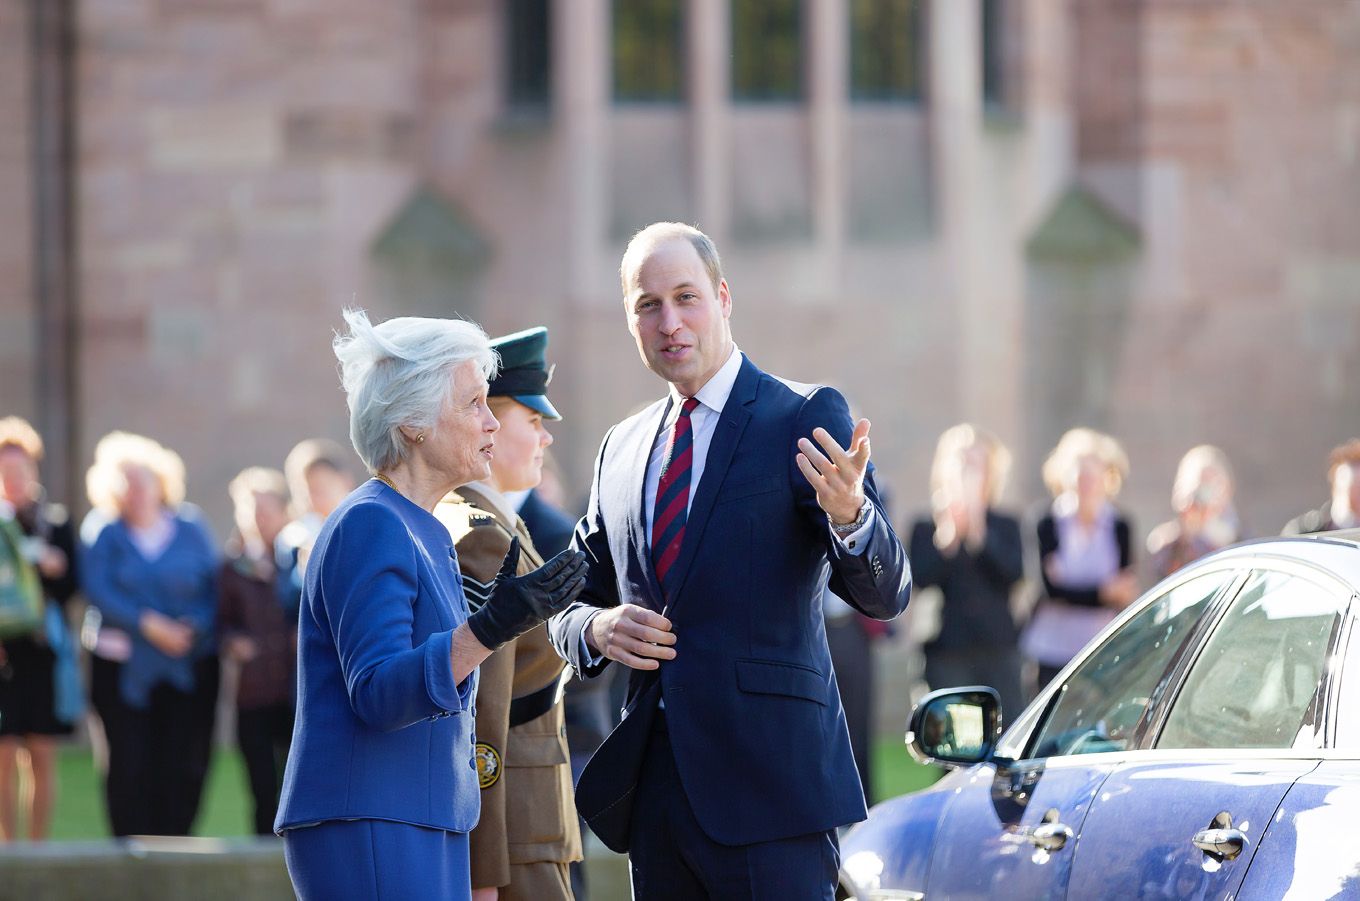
x=1101 y=702
x=1258 y=673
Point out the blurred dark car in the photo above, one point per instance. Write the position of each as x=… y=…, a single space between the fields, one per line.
x=1205 y=745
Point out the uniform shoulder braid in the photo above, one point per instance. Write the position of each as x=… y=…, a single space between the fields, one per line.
x=481 y=541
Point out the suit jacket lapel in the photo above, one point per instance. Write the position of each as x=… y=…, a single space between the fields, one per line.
x=726 y=436
x=638 y=452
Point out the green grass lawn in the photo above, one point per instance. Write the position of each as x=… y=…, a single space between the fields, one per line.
x=226 y=799
x=226 y=809
x=895 y=772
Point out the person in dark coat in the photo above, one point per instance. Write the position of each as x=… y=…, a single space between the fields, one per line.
x=714 y=517
x=974 y=554
x=1343 y=510
x=259 y=636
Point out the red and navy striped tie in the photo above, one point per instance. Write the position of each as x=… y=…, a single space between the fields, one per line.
x=672 y=497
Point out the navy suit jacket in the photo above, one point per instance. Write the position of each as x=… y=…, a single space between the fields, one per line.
x=382 y=732
x=549 y=527
x=752 y=706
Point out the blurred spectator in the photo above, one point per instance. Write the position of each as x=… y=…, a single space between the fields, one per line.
x=975 y=555
x=1343 y=510
x=1085 y=550
x=257 y=635
x=151 y=576
x=319 y=478
x=39 y=682
x=850 y=636
x=1206 y=519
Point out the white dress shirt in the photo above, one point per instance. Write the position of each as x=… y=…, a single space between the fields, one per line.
x=712 y=398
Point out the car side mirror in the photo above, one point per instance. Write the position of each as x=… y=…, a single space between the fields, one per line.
x=955 y=726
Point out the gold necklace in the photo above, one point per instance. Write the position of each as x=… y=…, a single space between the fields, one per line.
x=386 y=481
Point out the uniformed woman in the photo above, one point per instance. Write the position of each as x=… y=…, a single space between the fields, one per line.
x=528 y=832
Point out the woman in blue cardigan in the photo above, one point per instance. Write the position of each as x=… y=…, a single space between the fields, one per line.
x=381 y=788
x=151 y=574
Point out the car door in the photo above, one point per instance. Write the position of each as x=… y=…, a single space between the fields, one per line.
x=1011 y=832
x=1310 y=849
x=1183 y=819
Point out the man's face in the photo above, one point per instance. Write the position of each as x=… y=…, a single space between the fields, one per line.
x=679 y=321
x=327 y=487
x=1346 y=486
x=270 y=516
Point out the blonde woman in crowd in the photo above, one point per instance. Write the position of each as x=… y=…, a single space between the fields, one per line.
x=151 y=574
x=31 y=714
x=1206 y=519
x=1085 y=550
x=974 y=553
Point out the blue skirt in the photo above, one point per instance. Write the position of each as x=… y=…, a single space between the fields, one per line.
x=377 y=859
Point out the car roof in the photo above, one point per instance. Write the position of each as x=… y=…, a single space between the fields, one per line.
x=1337 y=552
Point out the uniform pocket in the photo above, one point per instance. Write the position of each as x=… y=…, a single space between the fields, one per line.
x=536 y=805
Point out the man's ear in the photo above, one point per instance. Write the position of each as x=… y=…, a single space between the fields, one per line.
x=725 y=299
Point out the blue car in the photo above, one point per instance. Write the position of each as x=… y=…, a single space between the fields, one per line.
x=1205 y=745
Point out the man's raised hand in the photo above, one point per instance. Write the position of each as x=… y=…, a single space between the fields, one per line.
x=837 y=475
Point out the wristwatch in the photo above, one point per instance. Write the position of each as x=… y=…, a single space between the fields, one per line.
x=845 y=530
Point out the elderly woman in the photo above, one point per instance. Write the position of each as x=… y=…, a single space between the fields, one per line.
x=1085 y=550
x=974 y=553
x=151 y=574
x=381 y=785
x=1206 y=520
x=31 y=717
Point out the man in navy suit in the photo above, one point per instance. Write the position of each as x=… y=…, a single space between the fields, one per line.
x=714 y=516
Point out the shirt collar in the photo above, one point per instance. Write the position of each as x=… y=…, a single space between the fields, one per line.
x=497 y=500
x=716 y=390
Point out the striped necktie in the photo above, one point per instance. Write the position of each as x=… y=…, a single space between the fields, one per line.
x=672 y=497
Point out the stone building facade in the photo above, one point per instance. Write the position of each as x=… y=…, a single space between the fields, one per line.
x=1142 y=215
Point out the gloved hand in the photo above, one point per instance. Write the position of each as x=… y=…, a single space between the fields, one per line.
x=519 y=603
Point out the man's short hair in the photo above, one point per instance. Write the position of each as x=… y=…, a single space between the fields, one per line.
x=310 y=453
x=1347 y=454
x=660 y=232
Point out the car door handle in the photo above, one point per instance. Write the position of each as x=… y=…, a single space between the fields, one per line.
x=1049 y=836
x=1224 y=844
x=1221 y=840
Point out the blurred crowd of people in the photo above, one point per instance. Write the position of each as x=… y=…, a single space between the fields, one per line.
x=168 y=606
x=1078 y=553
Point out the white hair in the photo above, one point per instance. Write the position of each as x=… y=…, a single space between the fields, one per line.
x=399 y=373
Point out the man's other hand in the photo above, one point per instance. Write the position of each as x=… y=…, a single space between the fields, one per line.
x=632 y=635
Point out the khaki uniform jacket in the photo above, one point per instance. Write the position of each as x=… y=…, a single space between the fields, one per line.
x=528 y=811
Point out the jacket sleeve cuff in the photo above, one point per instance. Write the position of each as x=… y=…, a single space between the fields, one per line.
x=439 y=682
x=855 y=543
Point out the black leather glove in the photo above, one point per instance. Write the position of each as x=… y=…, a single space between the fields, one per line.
x=519 y=603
